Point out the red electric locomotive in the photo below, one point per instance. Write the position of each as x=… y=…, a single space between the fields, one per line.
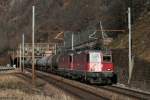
x=93 y=66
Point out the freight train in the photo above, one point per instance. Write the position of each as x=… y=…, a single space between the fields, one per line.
x=92 y=66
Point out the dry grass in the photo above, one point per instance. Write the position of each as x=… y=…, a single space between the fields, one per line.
x=16 y=88
x=20 y=95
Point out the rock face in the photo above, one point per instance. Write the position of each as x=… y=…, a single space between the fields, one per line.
x=53 y=16
x=140 y=51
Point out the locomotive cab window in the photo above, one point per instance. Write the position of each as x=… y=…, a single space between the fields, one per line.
x=95 y=57
x=107 y=58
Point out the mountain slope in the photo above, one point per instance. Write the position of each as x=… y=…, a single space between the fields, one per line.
x=140 y=38
x=140 y=51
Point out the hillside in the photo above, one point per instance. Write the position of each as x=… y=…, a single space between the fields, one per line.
x=54 y=16
x=140 y=51
x=140 y=38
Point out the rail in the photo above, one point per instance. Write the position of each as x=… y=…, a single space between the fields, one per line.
x=101 y=92
x=73 y=87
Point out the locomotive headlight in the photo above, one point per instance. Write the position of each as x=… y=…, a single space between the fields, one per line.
x=109 y=69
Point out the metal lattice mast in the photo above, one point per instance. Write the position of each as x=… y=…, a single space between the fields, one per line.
x=23 y=53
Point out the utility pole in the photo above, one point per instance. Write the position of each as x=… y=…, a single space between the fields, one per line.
x=23 y=53
x=64 y=44
x=13 y=56
x=55 y=49
x=33 y=26
x=20 y=57
x=130 y=45
x=72 y=48
x=17 y=58
x=72 y=42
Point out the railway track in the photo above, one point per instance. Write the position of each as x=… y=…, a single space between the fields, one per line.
x=137 y=95
x=91 y=92
x=73 y=87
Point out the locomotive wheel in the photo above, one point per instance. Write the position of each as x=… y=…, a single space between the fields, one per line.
x=91 y=81
x=82 y=79
x=109 y=82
